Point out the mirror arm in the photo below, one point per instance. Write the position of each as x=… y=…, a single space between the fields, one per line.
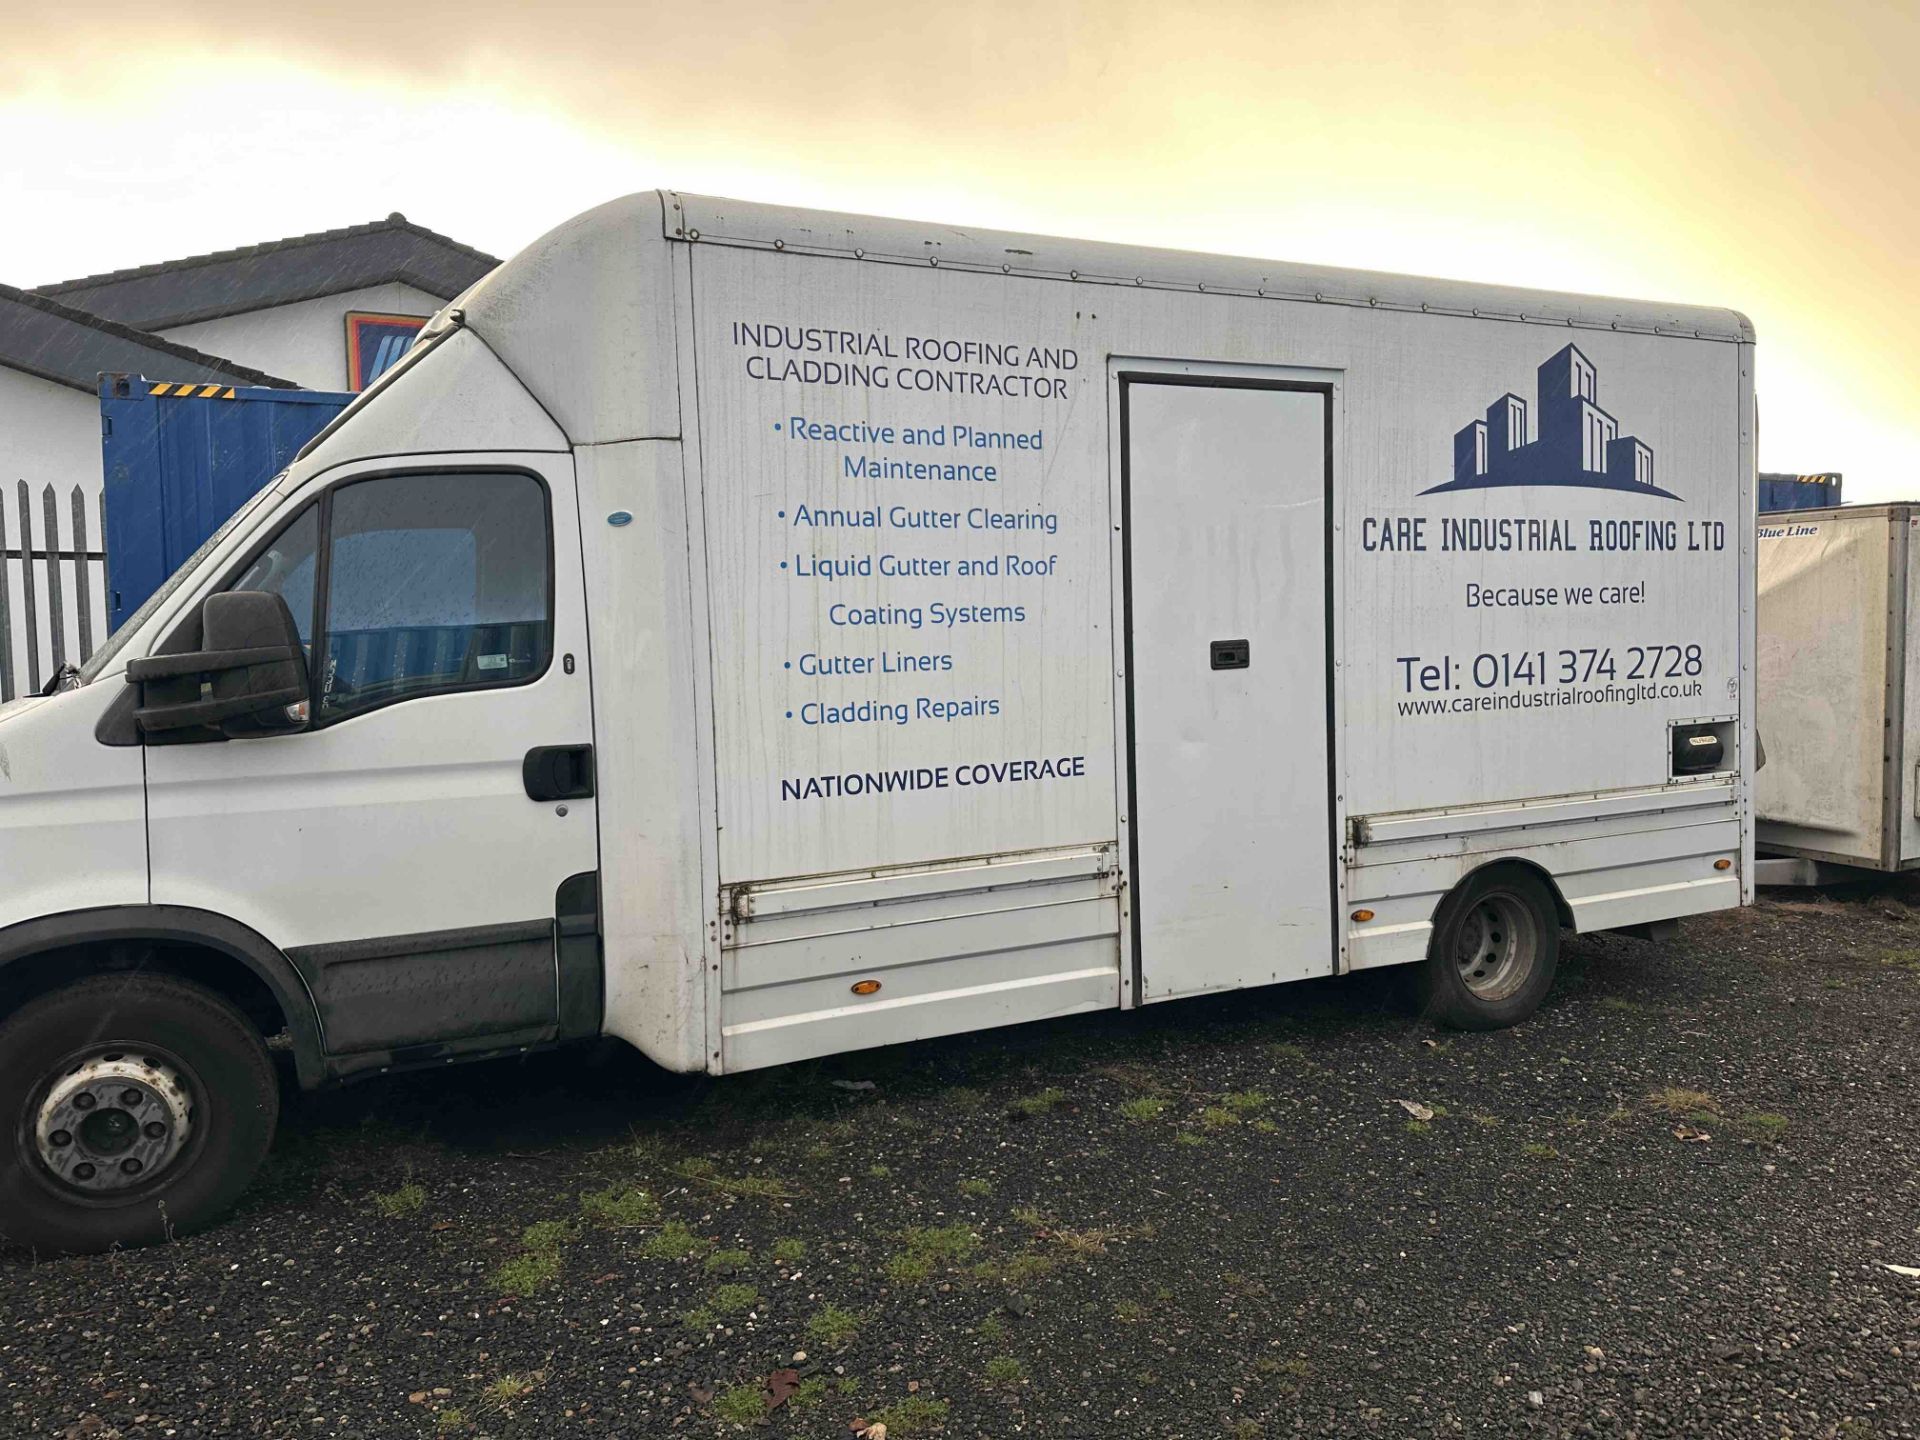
x=200 y=662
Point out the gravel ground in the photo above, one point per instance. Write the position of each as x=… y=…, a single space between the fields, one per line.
x=1207 y=1219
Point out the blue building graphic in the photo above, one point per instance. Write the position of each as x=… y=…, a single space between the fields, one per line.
x=1577 y=443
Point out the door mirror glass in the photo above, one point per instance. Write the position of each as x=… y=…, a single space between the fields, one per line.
x=248 y=678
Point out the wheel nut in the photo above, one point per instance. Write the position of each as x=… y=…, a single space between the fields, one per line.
x=84 y=1101
x=83 y=1171
x=130 y=1167
x=131 y=1099
x=155 y=1130
x=60 y=1137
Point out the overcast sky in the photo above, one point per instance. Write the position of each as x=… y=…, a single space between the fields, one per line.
x=1758 y=155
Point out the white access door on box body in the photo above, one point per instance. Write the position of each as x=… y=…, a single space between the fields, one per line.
x=1224 y=491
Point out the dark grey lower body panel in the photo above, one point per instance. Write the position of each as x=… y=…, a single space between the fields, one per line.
x=442 y=987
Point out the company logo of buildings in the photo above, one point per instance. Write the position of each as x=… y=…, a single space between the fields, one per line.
x=1577 y=443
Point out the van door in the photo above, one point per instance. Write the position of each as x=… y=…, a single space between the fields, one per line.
x=1225 y=488
x=413 y=846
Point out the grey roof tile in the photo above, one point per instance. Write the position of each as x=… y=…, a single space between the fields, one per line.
x=280 y=272
x=72 y=347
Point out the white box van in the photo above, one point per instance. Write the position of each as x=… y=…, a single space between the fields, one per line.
x=757 y=634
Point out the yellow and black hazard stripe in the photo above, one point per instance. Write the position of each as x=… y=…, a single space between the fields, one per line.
x=183 y=390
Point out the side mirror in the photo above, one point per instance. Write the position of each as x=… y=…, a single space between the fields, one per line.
x=251 y=669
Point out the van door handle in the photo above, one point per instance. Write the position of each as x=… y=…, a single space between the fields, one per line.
x=558 y=772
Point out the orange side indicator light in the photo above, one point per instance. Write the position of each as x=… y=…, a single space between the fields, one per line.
x=1363 y=915
x=1723 y=864
x=865 y=987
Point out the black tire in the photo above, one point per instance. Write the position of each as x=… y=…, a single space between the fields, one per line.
x=1493 y=952
x=214 y=1096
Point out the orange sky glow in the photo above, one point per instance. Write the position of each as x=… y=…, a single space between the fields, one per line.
x=1757 y=155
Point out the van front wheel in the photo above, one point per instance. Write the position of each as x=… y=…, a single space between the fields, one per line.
x=1493 y=952
x=137 y=1108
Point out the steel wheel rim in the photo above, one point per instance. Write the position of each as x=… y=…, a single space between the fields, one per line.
x=112 y=1119
x=1496 y=946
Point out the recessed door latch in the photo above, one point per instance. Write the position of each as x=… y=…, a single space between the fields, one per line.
x=1231 y=654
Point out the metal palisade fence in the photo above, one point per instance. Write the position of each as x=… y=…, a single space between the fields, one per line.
x=53 y=587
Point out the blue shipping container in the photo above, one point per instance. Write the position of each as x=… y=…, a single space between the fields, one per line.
x=179 y=459
x=1798 y=492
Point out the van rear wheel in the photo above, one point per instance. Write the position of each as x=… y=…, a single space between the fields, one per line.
x=136 y=1108
x=1493 y=952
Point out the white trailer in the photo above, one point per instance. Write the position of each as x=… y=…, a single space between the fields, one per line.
x=1839 y=690
x=757 y=634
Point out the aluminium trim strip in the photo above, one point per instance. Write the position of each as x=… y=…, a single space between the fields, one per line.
x=759 y=902
x=1422 y=825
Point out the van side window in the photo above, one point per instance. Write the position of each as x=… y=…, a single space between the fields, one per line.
x=285 y=568
x=434 y=583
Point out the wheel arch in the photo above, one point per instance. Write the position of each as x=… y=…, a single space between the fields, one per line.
x=1563 y=912
x=42 y=954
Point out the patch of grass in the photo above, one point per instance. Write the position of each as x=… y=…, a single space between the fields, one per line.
x=725 y=1261
x=1417 y=1127
x=1287 y=1051
x=964 y=1097
x=725 y=1302
x=926 y=1248
x=450 y=1421
x=1534 y=1150
x=1142 y=1108
x=1129 y=1074
x=523 y=1274
x=1032 y=1217
x=1188 y=1137
x=1672 y=1100
x=1908 y=960
x=409 y=1200
x=1245 y=1102
x=1834 y=982
x=878 y=1172
x=992 y=1328
x=1129 y=1312
x=701 y=1171
x=1266 y=1126
x=672 y=1241
x=1021 y=1270
x=1701 y=1119
x=741 y=1404
x=549 y=1234
x=915 y=1415
x=620 y=1206
x=1484 y=1119
x=832 y=1325
x=1217 y=1117
x=808 y=1393
x=1004 y=1370
x=1245 y=1429
x=507 y=1389
x=976 y=1188
x=1621 y=1005
x=1763 y=1125
x=789 y=1250
x=1040 y=1102
x=1288 y=1375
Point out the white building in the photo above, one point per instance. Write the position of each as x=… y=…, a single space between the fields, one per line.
x=321 y=312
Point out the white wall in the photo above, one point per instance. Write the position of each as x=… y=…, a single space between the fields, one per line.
x=49 y=435
x=305 y=342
